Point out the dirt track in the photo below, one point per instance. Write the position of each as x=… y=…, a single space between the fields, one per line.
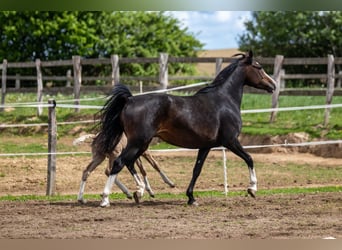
x=278 y=216
x=274 y=216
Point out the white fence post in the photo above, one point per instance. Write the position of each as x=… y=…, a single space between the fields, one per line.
x=225 y=172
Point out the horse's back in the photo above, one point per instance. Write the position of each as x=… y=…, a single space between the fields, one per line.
x=182 y=121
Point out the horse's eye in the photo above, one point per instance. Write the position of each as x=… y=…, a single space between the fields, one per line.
x=257 y=65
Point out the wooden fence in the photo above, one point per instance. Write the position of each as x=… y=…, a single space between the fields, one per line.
x=163 y=78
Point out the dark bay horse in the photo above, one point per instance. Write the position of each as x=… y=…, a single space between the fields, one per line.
x=208 y=119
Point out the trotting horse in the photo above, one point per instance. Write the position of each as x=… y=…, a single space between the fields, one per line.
x=208 y=119
x=99 y=157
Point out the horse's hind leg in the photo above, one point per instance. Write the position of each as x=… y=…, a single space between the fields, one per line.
x=143 y=173
x=123 y=188
x=128 y=156
x=154 y=164
x=237 y=149
x=97 y=159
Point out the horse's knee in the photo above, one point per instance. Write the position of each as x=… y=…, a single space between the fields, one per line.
x=85 y=175
x=107 y=171
x=117 y=167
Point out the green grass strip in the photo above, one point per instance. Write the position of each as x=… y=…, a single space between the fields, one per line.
x=119 y=196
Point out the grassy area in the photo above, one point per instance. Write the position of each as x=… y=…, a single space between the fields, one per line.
x=120 y=196
x=309 y=121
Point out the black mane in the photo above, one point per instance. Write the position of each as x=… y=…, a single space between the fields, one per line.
x=220 y=78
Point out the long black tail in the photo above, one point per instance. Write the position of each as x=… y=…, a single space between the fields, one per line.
x=110 y=125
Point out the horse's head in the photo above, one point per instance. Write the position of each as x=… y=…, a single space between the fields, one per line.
x=255 y=75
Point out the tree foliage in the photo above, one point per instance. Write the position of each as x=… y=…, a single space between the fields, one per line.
x=141 y=34
x=295 y=34
x=28 y=35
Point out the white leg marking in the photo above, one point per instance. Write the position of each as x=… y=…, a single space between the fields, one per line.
x=123 y=188
x=80 y=194
x=140 y=185
x=166 y=179
x=107 y=190
x=148 y=186
x=253 y=179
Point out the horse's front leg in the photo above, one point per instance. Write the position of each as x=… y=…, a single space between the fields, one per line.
x=253 y=182
x=236 y=148
x=201 y=156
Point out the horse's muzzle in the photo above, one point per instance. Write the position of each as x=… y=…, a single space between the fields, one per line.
x=270 y=87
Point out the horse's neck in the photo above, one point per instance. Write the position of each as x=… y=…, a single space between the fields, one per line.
x=233 y=88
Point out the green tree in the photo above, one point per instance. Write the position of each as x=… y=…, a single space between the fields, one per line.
x=146 y=34
x=28 y=35
x=295 y=34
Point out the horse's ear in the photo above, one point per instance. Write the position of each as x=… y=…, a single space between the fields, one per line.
x=249 y=57
x=250 y=54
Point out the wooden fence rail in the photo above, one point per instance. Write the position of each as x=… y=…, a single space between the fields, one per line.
x=163 y=77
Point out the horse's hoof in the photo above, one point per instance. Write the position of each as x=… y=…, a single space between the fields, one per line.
x=129 y=196
x=136 y=197
x=105 y=202
x=82 y=201
x=193 y=203
x=251 y=192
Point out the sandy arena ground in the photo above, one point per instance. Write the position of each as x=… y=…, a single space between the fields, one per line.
x=314 y=215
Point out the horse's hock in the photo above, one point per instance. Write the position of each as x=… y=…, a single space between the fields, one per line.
x=329 y=150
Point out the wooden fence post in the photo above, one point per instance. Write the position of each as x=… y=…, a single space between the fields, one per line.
x=278 y=62
x=163 y=70
x=52 y=145
x=39 y=87
x=339 y=80
x=115 y=69
x=69 y=78
x=330 y=87
x=3 y=83
x=218 y=66
x=282 y=84
x=77 y=79
x=17 y=81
